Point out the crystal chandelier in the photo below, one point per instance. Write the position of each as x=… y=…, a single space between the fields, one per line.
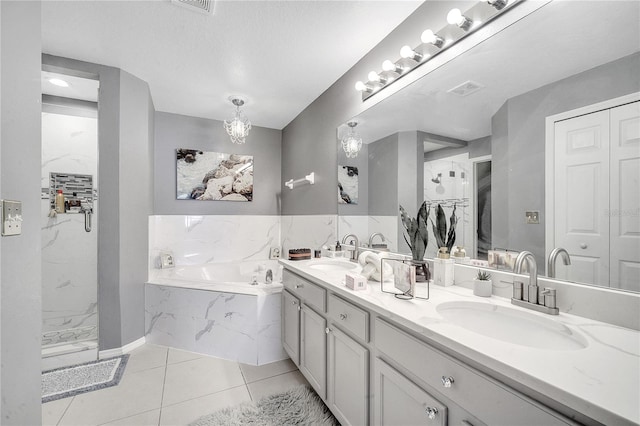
x=238 y=128
x=352 y=142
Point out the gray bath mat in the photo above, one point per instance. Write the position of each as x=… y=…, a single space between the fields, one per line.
x=297 y=406
x=69 y=381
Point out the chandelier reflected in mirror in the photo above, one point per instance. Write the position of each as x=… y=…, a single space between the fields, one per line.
x=352 y=142
x=238 y=128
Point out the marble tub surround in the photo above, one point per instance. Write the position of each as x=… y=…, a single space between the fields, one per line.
x=308 y=231
x=195 y=240
x=233 y=326
x=599 y=381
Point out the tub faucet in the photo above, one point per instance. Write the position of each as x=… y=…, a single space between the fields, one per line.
x=354 y=253
x=553 y=256
x=268 y=279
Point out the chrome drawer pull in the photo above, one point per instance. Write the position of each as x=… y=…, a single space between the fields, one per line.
x=432 y=412
x=447 y=381
x=343 y=317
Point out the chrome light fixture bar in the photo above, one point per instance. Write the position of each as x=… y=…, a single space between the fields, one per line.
x=238 y=128
x=460 y=24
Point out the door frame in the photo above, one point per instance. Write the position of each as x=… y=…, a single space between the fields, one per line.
x=549 y=157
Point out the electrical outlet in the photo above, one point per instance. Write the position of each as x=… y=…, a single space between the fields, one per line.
x=274 y=253
x=533 y=217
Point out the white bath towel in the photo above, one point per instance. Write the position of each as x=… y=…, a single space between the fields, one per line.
x=371 y=266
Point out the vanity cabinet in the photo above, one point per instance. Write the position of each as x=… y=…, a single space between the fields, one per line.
x=348 y=378
x=489 y=401
x=313 y=349
x=291 y=326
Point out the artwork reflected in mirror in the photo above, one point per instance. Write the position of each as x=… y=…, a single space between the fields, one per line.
x=211 y=176
x=347 y=185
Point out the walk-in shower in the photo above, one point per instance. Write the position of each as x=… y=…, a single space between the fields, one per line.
x=69 y=226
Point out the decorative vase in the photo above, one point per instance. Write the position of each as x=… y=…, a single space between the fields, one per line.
x=482 y=288
x=422 y=270
x=443 y=272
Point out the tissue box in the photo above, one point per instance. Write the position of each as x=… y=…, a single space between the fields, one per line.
x=355 y=281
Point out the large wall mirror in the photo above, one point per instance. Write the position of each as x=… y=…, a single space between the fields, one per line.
x=533 y=135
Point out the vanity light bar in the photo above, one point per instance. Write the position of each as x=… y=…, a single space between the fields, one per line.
x=460 y=24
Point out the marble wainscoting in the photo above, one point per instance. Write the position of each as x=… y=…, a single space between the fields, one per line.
x=364 y=226
x=308 y=231
x=196 y=240
x=239 y=327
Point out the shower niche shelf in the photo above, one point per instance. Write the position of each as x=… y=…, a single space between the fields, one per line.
x=77 y=190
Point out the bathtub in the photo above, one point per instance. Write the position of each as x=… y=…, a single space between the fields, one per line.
x=213 y=309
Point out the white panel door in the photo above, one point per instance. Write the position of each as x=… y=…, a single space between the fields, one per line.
x=313 y=350
x=624 y=209
x=582 y=196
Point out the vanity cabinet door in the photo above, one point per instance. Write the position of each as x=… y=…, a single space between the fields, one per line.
x=348 y=381
x=313 y=350
x=291 y=326
x=400 y=402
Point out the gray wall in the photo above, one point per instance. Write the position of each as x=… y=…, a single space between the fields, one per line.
x=383 y=176
x=20 y=282
x=518 y=161
x=179 y=131
x=309 y=142
x=125 y=141
x=135 y=203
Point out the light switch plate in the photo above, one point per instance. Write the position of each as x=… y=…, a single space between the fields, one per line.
x=11 y=217
x=274 y=253
x=533 y=217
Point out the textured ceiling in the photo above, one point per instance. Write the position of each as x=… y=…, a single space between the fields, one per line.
x=280 y=55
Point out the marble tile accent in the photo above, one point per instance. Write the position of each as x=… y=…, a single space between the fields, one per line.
x=69 y=254
x=237 y=327
x=308 y=231
x=195 y=240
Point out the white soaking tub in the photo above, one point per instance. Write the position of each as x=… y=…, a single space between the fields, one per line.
x=213 y=309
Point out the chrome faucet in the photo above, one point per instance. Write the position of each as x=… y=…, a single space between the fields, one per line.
x=377 y=234
x=532 y=296
x=551 y=263
x=354 y=253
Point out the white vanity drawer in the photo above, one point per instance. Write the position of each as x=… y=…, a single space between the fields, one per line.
x=310 y=293
x=488 y=400
x=349 y=317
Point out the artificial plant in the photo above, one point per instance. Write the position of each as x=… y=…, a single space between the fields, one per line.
x=417 y=235
x=444 y=238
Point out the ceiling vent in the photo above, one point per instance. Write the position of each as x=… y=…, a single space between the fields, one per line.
x=466 y=88
x=200 y=6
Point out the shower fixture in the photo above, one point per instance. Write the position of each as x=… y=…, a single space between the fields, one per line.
x=436 y=180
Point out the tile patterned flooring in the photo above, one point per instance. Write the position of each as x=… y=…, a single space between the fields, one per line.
x=166 y=386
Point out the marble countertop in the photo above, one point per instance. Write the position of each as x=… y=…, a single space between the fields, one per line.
x=602 y=381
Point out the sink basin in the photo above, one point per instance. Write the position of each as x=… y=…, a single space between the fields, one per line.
x=334 y=265
x=512 y=325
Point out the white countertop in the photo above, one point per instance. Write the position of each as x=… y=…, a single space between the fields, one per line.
x=602 y=381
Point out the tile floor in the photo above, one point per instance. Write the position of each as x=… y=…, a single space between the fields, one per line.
x=166 y=386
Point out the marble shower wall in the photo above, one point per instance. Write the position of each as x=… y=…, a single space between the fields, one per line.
x=69 y=254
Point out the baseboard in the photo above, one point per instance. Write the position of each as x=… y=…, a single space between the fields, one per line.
x=110 y=353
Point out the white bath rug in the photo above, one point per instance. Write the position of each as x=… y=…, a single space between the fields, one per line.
x=297 y=406
x=69 y=381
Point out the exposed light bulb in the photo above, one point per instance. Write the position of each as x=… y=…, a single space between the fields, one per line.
x=455 y=17
x=429 y=37
x=388 y=66
x=373 y=76
x=408 y=53
x=58 y=82
x=361 y=87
